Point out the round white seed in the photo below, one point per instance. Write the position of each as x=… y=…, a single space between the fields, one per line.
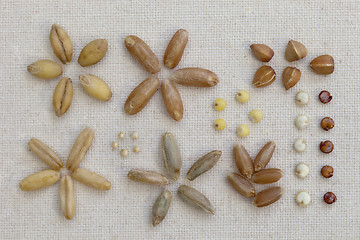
x=121 y=135
x=300 y=145
x=136 y=149
x=302 y=170
x=303 y=198
x=302 y=98
x=135 y=135
x=124 y=152
x=114 y=145
x=302 y=121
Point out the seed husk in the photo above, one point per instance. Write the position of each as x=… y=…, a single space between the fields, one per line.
x=161 y=207
x=172 y=100
x=67 y=198
x=79 y=149
x=290 y=77
x=45 y=69
x=241 y=185
x=323 y=65
x=194 y=77
x=262 y=52
x=194 y=197
x=39 y=180
x=203 y=164
x=268 y=196
x=266 y=176
x=95 y=87
x=91 y=179
x=141 y=95
x=45 y=153
x=145 y=176
x=93 y=52
x=243 y=161
x=295 y=51
x=264 y=76
x=170 y=154
x=264 y=156
x=175 y=48
x=142 y=53
x=61 y=43
x=63 y=95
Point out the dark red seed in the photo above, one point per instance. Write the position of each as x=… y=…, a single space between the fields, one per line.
x=325 y=97
x=326 y=146
x=327 y=171
x=330 y=198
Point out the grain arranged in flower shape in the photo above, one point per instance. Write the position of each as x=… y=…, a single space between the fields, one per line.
x=51 y=176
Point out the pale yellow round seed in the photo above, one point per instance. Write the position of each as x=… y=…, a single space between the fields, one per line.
x=219 y=124
x=255 y=115
x=114 y=145
x=220 y=104
x=242 y=96
x=135 y=135
x=136 y=149
x=124 y=152
x=121 y=135
x=243 y=130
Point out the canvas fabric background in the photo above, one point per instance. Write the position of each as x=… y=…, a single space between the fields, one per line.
x=220 y=33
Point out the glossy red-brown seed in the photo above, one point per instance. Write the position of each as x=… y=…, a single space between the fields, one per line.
x=327 y=171
x=326 y=146
x=330 y=198
x=327 y=123
x=325 y=97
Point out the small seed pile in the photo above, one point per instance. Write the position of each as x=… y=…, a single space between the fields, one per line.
x=124 y=152
x=91 y=54
x=255 y=172
x=171 y=157
x=51 y=176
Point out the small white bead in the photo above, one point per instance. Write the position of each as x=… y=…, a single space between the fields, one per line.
x=300 y=145
x=135 y=135
x=136 y=149
x=121 y=135
x=302 y=98
x=124 y=152
x=302 y=121
x=302 y=170
x=303 y=198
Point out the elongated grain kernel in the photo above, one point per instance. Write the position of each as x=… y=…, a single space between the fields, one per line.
x=62 y=97
x=93 y=52
x=203 y=164
x=45 y=69
x=264 y=76
x=295 y=51
x=61 y=43
x=243 y=161
x=161 y=207
x=45 y=153
x=269 y=175
x=67 y=199
x=95 y=87
x=172 y=100
x=39 y=180
x=91 y=179
x=268 y=196
x=264 y=156
x=241 y=185
x=142 y=53
x=79 y=149
x=175 y=48
x=145 y=176
x=262 y=52
x=141 y=95
x=170 y=154
x=290 y=77
x=194 y=77
x=194 y=197
x=323 y=64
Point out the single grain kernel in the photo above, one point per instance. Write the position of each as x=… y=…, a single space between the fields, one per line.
x=300 y=145
x=93 y=52
x=295 y=51
x=327 y=171
x=121 y=135
x=302 y=121
x=45 y=69
x=302 y=170
x=62 y=96
x=124 y=152
x=330 y=198
x=290 y=77
x=220 y=104
x=302 y=98
x=203 y=164
x=219 y=124
x=170 y=154
x=241 y=185
x=264 y=156
x=67 y=199
x=264 y=76
x=114 y=145
x=172 y=100
x=161 y=207
x=269 y=175
x=194 y=77
x=327 y=123
x=255 y=115
x=95 y=87
x=323 y=65
x=194 y=197
x=326 y=146
x=39 y=180
x=45 y=153
x=325 y=97
x=268 y=196
x=136 y=149
x=243 y=161
x=175 y=48
x=262 y=52
x=242 y=96
x=242 y=131
x=303 y=198
x=150 y=177
x=91 y=179
x=61 y=43
x=135 y=135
